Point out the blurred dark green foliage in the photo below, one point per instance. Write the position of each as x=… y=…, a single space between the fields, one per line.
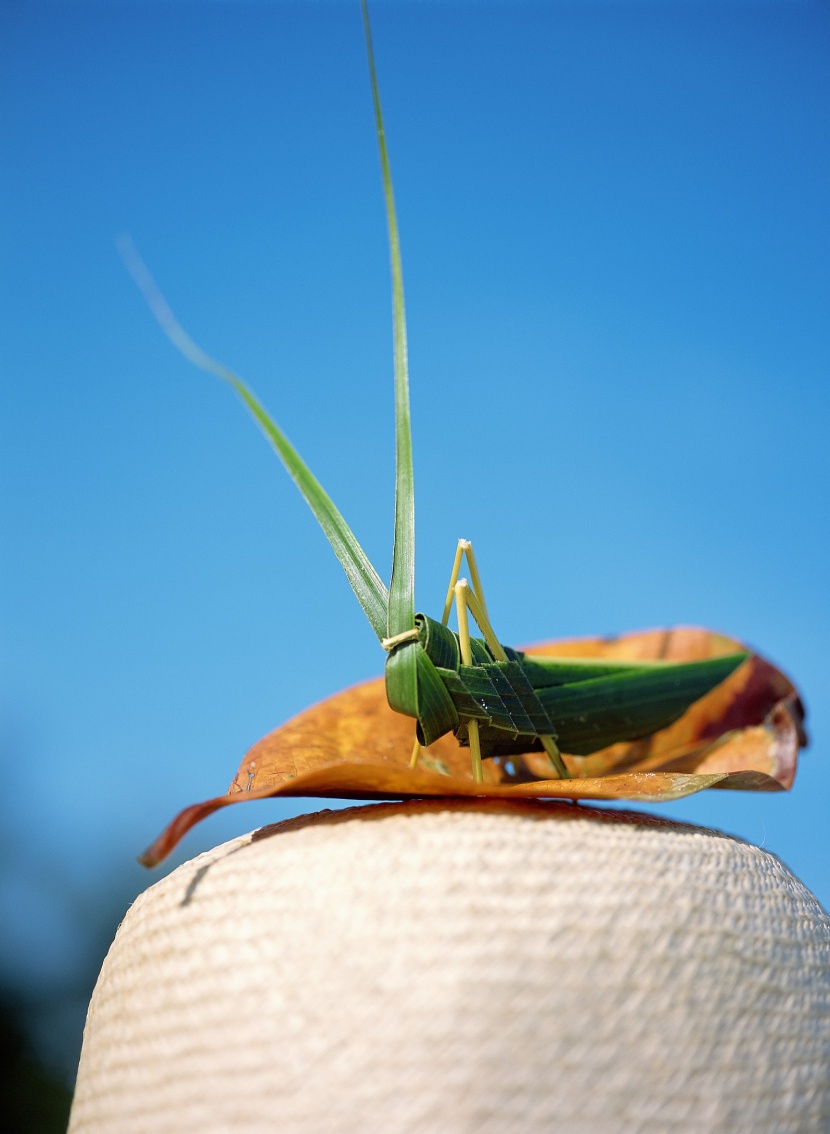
x=32 y=1100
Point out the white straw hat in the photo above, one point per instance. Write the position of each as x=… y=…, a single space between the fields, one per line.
x=465 y=967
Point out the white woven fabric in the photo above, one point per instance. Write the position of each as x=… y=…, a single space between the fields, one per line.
x=471 y=969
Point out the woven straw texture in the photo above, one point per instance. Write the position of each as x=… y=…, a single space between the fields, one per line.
x=465 y=969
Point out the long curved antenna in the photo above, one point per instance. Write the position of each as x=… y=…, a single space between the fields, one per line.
x=363 y=578
x=402 y=586
x=402 y=687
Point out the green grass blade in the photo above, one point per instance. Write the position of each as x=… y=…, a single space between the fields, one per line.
x=402 y=587
x=363 y=578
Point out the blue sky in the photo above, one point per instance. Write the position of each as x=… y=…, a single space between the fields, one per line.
x=615 y=237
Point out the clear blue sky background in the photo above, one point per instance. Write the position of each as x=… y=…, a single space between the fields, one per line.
x=615 y=236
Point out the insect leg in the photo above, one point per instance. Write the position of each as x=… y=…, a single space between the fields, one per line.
x=416 y=752
x=480 y=615
x=461 y=596
x=550 y=746
x=465 y=547
x=463 y=544
x=476 y=578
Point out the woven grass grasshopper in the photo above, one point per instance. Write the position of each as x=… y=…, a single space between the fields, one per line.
x=494 y=699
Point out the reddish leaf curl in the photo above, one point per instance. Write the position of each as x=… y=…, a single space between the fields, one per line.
x=745 y=734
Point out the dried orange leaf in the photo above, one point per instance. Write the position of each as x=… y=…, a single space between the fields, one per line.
x=745 y=734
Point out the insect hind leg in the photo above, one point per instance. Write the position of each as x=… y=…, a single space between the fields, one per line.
x=465 y=547
x=462 y=602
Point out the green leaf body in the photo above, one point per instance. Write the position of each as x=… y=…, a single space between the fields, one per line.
x=584 y=705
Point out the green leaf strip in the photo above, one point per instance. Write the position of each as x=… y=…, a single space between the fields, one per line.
x=591 y=714
x=401 y=614
x=437 y=714
x=408 y=668
x=363 y=578
x=440 y=643
x=548 y=671
x=498 y=694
